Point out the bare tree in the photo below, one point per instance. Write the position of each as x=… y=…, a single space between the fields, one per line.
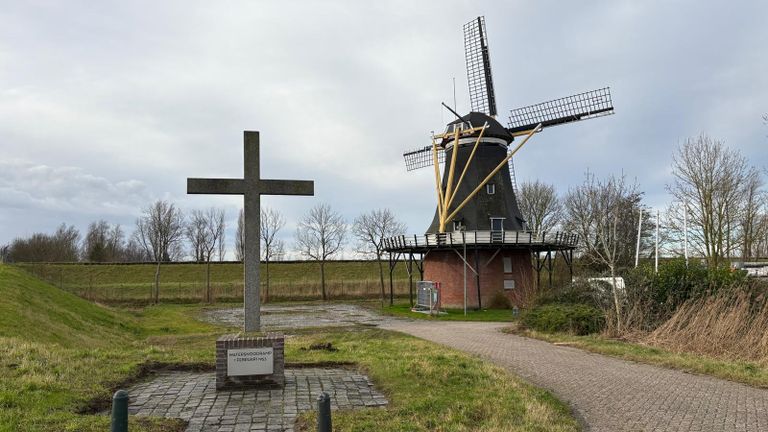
x=240 y=238
x=540 y=206
x=320 y=235
x=159 y=231
x=595 y=211
x=222 y=247
x=271 y=221
x=62 y=246
x=103 y=242
x=371 y=229
x=5 y=253
x=134 y=252
x=753 y=207
x=205 y=231
x=711 y=181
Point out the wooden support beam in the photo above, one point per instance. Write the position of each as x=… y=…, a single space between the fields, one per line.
x=466 y=166
x=491 y=174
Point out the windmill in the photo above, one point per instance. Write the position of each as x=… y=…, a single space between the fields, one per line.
x=477 y=188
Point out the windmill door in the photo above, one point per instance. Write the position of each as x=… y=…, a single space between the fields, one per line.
x=497 y=230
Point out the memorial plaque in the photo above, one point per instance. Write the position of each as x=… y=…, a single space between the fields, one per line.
x=250 y=361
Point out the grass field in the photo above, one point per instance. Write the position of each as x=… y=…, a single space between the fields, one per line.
x=402 y=309
x=184 y=283
x=61 y=357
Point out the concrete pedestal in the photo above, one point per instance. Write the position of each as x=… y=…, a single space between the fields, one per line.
x=250 y=361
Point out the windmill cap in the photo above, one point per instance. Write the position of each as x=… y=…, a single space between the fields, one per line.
x=478 y=119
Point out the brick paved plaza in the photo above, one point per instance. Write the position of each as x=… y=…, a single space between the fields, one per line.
x=609 y=394
x=295 y=316
x=192 y=396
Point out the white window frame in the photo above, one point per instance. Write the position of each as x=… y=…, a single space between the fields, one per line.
x=458 y=226
x=502 y=224
x=509 y=284
x=490 y=188
x=507 y=264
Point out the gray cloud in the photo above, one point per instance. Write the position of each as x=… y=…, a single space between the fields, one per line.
x=121 y=101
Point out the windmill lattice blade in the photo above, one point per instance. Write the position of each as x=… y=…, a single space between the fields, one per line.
x=582 y=106
x=422 y=157
x=481 y=95
x=512 y=176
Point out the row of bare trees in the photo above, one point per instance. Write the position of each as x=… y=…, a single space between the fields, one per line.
x=321 y=235
x=162 y=232
x=719 y=200
x=721 y=197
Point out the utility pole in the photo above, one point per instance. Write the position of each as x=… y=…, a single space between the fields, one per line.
x=657 y=242
x=639 y=230
x=685 y=232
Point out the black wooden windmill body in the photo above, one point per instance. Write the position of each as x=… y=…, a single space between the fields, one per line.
x=477 y=211
x=468 y=199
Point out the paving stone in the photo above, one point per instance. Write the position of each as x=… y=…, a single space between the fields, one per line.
x=276 y=317
x=606 y=393
x=248 y=410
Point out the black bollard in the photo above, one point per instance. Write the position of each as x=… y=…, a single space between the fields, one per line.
x=324 y=413
x=120 y=411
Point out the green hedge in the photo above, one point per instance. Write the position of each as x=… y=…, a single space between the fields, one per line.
x=579 y=319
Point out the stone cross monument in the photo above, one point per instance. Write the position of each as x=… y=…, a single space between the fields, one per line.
x=251 y=186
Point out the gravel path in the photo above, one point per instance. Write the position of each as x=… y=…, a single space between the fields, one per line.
x=608 y=394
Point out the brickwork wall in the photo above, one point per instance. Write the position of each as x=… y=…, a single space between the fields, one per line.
x=447 y=268
x=234 y=341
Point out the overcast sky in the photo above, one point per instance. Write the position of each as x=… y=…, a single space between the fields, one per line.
x=106 y=106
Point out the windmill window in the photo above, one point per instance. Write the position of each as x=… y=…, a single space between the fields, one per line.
x=490 y=188
x=497 y=224
x=509 y=284
x=458 y=226
x=507 y=264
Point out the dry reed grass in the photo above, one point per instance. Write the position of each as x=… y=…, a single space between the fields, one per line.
x=732 y=325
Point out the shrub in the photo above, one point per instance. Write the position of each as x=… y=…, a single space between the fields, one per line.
x=500 y=301
x=652 y=298
x=578 y=292
x=579 y=319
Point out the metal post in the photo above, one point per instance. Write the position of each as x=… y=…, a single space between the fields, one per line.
x=477 y=273
x=685 y=232
x=657 y=241
x=639 y=230
x=324 y=413
x=120 y=411
x=465 y=278
x=392 y=265
x=410 y=278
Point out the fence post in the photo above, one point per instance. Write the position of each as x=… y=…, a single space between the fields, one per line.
x=120 y=411
x=323 y=413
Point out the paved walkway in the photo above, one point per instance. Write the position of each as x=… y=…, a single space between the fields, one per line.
x=608 y=394
x=192 y=396
x=295 y=316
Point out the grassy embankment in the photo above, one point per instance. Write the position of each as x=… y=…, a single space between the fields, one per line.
x=184 y=283
x=61 y=357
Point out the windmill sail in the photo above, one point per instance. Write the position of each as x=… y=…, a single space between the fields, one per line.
x=422 y=157
x=481 y=95
x=569 y=109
